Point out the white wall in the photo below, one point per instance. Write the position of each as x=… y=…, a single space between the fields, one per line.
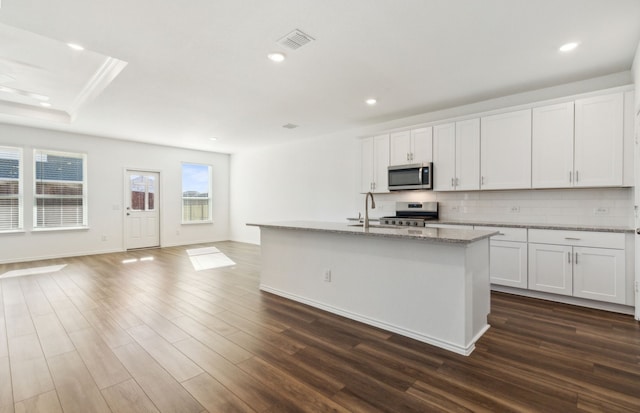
x=315 y=179
x=107 y=161
x=318 y=179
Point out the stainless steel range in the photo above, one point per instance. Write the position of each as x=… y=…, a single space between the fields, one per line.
x=412 y=214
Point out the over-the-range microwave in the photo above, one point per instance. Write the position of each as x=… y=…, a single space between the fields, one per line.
x=414 y=176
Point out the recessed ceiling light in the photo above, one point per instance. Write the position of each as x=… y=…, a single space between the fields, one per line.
x=45 y=104
x=371 y=101
x=276 y=57
x=213 y=139
x=567 y=47
x=75 y=46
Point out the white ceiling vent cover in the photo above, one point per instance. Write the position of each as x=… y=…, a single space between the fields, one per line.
x=295 y=40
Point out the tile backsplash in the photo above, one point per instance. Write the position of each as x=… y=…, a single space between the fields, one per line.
x=592 y=207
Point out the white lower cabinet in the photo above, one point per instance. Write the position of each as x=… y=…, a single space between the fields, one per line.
x=508 y=263
x=508 y=256
x=578 y=265
x=599 y=274
x=550 y=268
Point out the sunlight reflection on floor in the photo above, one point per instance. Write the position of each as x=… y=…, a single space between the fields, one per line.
x=208 y=258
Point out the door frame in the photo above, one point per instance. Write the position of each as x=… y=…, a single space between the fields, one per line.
x=158 y=201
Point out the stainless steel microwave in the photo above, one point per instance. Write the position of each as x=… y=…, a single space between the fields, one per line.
x=414 y=176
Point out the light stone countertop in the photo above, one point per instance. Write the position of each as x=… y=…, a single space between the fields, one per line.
x=565 y=227
x=446 y=235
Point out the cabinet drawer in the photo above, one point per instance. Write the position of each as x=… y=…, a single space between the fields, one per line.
x=578 y=238
x=506 y=233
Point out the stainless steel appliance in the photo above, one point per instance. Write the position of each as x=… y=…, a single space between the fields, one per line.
x=413 y=214
x=414 y=176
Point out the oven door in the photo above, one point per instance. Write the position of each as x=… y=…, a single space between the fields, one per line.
x=415 y=176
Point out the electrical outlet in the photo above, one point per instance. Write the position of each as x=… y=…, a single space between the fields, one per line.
x=601 y=211
x=327 y=276
x=104 y=237
x=177 y=232
x=637 y=286
x=515 y=209
x=455 y=208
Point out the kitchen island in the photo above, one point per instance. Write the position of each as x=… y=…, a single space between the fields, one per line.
x=430 y=284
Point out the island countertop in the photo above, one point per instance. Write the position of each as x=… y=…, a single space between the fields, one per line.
x=446 y=235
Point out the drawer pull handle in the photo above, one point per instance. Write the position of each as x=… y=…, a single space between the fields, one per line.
x=572 y=238
x=569 y=257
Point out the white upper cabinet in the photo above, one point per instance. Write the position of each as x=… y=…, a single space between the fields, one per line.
x=505 y=151
x=411 y=146
x=456 y=156
x=374 y=164
x=599 y=141
x=468 y=155
x=552 y=146
x=444 y=157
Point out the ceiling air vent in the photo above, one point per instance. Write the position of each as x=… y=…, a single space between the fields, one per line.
x=295 y=40
x=289 y=126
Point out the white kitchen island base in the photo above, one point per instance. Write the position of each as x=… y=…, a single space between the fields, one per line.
x=433 y=291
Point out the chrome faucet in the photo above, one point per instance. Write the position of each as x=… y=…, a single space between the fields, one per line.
x=366 y=208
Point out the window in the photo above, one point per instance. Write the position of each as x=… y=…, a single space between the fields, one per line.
x=60 y=199
x=196 y=193
x=10 y=189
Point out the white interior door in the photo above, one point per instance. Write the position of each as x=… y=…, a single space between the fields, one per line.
x=142 y=209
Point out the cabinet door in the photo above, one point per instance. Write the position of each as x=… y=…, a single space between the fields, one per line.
x=599 y=141
x=468 y=155
x=444 y=157
x=508 y=263
x=550 y=268
x=599 y=274
x=422 y=145
x=505 y=151
x=400 y=148
x=366 y=165
x=381 y=163
x=552 y=146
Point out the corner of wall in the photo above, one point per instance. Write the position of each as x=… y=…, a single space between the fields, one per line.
x=635 y=73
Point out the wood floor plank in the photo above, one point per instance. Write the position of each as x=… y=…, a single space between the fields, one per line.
x=43 y=403
x=128 y=397
x=163 y=390
x=75 y=387
x=6 y=389
x=107 y=328
x=53 y=337
x=236 y=380
x=214 y=396
x=102 y=364
x=30 y=378
x=221 y=345
x=289 y=388
x=169 y=357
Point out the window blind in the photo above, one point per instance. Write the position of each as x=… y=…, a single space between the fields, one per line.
x=10 y=189
x=60 y=199
x=196 y=193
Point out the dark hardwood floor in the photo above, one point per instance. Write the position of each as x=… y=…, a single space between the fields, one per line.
x=149 y=336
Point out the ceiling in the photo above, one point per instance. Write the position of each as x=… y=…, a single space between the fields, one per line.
x=184 y=72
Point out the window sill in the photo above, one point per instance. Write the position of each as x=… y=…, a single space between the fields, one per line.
x=60 y=229
x=13 y=231
x=197 y=222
